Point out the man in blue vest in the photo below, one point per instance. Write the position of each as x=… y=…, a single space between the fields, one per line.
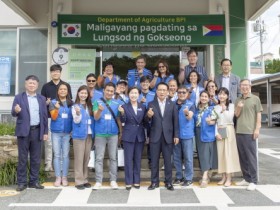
x=134 y=75
x=107 y=125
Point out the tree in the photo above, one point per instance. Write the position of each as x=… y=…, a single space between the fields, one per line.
x=272 y=67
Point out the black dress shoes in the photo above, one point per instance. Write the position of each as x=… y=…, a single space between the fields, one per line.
x=36 y=186
x=80 y=187
x=153 y=186
x=21 y=187
x=169 y=186
x=87 y=185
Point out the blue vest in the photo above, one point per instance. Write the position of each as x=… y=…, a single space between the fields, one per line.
x=107 y=126
x=165 y=80
x=123 y=100
x=149 y=97
x=96 y=95
x=62 y=125
x=80 y=130
x=114 y=80
x=193 y=94
x=207 y=133
x=186 y=127
x=134 y=80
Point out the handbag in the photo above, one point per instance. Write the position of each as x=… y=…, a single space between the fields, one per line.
x=223 y=132
x=91 y=162
x=120 y=157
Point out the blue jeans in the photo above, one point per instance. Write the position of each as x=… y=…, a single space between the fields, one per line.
x=61 y=147
x=184 y=150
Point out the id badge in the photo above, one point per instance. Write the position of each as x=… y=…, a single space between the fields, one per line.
x=64 y=115
x=108 y=117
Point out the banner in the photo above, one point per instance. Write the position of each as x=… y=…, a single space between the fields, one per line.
x=5 y=80
x=81 y=63
x=141 y=30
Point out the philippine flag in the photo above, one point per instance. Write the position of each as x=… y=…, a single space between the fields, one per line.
x=213 y=30
x=71 y=30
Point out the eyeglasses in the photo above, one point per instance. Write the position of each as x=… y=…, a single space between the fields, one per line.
x=161 y=67
x=91 y=80
x=182 y=92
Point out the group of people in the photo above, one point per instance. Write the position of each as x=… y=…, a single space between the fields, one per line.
x=218 y=117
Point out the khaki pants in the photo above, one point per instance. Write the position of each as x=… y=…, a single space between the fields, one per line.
x=82 y=150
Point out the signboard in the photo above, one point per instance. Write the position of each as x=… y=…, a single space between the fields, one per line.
x=5 y=79
x=60 y=55
x=141 y=30
x=81 y=63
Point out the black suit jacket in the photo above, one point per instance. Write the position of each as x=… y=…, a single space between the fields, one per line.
x=167 y=124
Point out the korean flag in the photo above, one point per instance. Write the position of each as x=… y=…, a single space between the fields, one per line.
x=71 y=30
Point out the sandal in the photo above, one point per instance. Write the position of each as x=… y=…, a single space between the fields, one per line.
x=204 y=183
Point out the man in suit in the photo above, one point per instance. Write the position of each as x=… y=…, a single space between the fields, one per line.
x=228 y=80
x=31 y=128
x=163 y=118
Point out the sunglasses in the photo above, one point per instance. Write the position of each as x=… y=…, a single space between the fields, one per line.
x=161 y=66
x=91 y=80
x=182 y=92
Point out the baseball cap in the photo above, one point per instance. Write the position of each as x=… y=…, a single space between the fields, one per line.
x=122 y=81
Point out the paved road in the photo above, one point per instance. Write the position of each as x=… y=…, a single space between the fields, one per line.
x=267 y=195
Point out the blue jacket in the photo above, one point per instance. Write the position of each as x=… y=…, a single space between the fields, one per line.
x=193 y=94
x=207 y=133
x=23 y=117
x=186 y=127
x=80 y=130
x=106 y=123
x=62 y=125
x=133 y=129
x=133 y=78
x=149 y=97
x=165 y=80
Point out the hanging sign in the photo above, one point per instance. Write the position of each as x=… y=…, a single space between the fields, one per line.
x=141 y=30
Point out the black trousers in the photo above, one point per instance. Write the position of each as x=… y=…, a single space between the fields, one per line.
x=156 y=149
x=31 y=145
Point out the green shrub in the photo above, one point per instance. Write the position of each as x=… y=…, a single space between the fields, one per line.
x=8 y=173
x=7 y=129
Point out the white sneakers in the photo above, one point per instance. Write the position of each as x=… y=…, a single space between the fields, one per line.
x=242 y=183
x=114 y=185
x=97 y=186
x=251 y=187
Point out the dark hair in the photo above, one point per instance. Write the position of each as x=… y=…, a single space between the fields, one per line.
x=69 y=102
x=198 y=76
x=108 y=63
x=226 y=59
x=163 y=83
x=91 y=75
x=132 y=88
x=140 y=57
x=55 y=67
x=166 y=65
x=32 y=77
x=110 y=84
x=204 y=91
x=183 y=87
x=145 y=78
x=225 y=90
x=191 y=51
x=88 y=100
x=206 y=87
